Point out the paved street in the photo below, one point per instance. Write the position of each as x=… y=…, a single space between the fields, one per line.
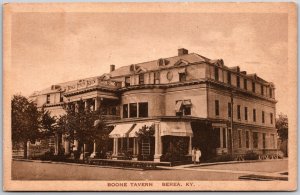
x=47 y=171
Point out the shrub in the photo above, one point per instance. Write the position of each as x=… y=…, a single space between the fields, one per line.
x=250 y=155
x=222 y=158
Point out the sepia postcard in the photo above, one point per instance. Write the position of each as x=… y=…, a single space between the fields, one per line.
x=150 y=97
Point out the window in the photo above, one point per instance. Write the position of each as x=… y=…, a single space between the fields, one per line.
x=229 y=78
x=182 y=77
x=141 y=79
x=253 y=87
x=263 y=117
x=216 y=73
x=133 y=110
x=255 y=140
x=48 y=99
x=125 y=111
x=262 y=90
x=271 y=118
x=183 y=107
x=240 y=138
x=270 y=92
x=143 y=109
x=224 y=138
x=127 y=81
x=217 y=107
x=246 y=113
x=238 y=82
x=229 y=109
x=254 y=115
x=156 y=77
x=245 y=84
x=239 y=112
x=247 y=139
x=264 y=140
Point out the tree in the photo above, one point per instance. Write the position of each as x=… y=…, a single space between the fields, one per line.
x=79 y=124
x=282 y=126
x=48 y=124
x=25 y=121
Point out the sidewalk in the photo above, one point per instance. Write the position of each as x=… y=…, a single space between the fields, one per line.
x=254 y=174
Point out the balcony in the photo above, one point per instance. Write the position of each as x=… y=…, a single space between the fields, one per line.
x=92 y=83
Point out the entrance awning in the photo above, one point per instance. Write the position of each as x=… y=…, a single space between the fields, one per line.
x=121 y=130
x=138 y=126
x=176 y=129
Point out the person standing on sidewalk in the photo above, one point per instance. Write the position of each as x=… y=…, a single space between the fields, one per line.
x=194 y=155
x=198 y=155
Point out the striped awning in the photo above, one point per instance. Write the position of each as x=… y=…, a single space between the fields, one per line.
x=138 y=126
x=176 y=129
x=121 y=130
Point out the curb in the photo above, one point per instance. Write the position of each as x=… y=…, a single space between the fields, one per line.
x=77 y=164
x=231 y=162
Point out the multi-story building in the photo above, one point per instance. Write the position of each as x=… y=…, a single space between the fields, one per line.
x=189 y=99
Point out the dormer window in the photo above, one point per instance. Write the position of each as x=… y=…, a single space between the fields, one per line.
x=156 y=77
x=127 y=81
x=141 y=79
x=216 y=73
x=48 y=99
x=182 y=76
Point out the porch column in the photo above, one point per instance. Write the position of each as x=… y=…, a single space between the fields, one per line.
x=116 y=146
x=221 y=137
x=28 y=149
x=190 y=146
x=97 y=103
x=56 y=145
x=76 y=107
x=158 y=144
x=93 y=155
x=86 y=104
x=122 y=140
x=134 y=146
x=76 y=144
x=137 y=147
x=67 y=147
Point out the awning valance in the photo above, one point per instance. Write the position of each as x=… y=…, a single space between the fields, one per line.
x=138 y=126
x=121 y=130
x=178 y=105
x=176 y=129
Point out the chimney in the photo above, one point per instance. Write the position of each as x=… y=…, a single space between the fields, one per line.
x=182 y=51
x=112 y=67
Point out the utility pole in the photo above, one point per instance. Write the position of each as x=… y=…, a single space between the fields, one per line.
x=231 y=120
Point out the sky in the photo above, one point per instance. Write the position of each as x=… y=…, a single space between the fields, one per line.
x=50 y=48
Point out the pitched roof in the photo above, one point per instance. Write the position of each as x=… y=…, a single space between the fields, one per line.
x=153 y=65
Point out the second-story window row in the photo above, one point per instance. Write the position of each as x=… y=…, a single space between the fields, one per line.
x=134 y=110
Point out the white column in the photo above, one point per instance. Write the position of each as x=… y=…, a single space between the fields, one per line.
x=76 y=144
x=86 y=104
x=67 y=147
x=158 y=144
x=190 y=146
x=28 y=149
x=117 y=146
x=56 y=145
x=93 y=155
x=97 y=103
